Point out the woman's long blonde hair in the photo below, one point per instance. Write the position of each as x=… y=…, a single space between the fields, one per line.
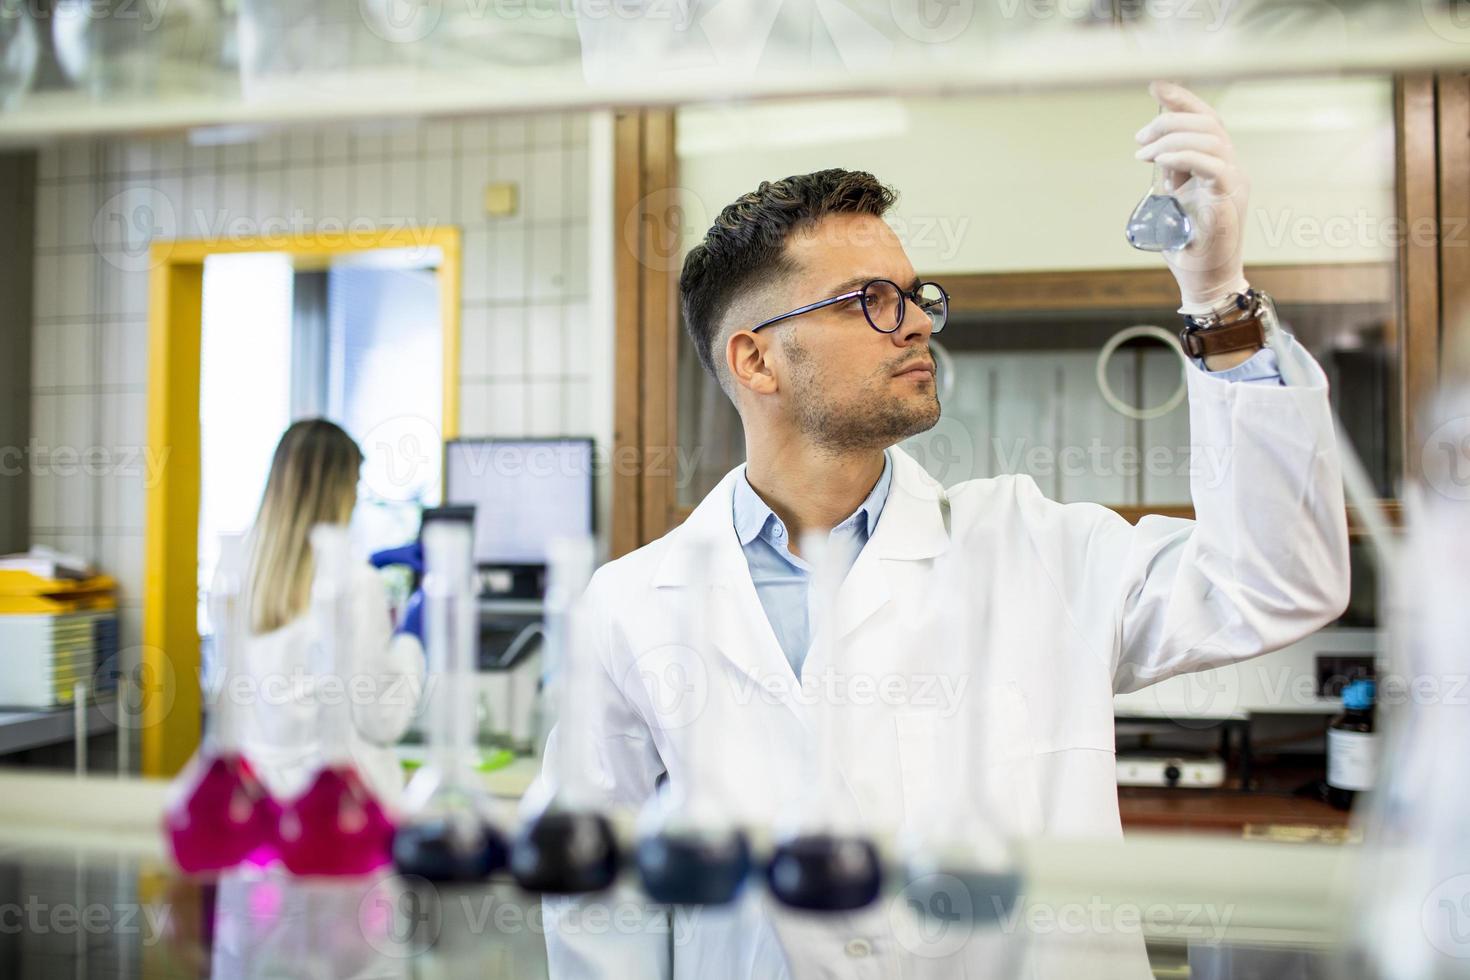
x=313 y=481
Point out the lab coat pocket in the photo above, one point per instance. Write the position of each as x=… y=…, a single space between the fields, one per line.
x=985 y=762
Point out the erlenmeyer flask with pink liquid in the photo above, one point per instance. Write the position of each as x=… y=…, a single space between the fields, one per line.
x=336 y=827
x=221 y=814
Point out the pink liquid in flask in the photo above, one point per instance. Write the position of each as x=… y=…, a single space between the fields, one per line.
x=337 y=827
x=224 y=818
x=221 y=814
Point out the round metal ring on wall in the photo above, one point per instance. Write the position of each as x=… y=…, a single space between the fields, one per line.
x=1106 y=354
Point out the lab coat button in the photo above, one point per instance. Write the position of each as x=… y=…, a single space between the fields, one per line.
x=858 y=948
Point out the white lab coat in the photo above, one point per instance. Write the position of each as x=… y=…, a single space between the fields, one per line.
x=279 y=717
x=1075 y=605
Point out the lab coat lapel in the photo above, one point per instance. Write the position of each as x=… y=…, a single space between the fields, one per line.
x=740 y=629
x=911 y=528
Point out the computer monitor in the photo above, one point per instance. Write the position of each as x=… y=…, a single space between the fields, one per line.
x=526 y=493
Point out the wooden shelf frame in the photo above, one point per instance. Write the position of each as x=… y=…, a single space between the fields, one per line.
x=1427 y=289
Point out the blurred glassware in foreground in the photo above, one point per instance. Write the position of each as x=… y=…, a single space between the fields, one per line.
x=822 y=861
x=106 y=52
x=221 y=814
x=448 y=835
x=337 y=827
x=125 y=50
x=333 y=43
x=19 y=50
x=688 y=852
x=1413 y=899
x=960 y=861
x=565 y=845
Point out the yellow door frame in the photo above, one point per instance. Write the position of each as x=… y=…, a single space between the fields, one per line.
x=169 y=694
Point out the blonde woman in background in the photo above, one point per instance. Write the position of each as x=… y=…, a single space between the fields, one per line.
x=313 y=480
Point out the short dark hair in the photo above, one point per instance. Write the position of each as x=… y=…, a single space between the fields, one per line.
x=747 y=242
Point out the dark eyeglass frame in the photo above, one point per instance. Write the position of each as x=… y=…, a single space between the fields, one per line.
x=907 y=294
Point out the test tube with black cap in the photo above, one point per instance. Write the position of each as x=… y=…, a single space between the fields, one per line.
x=449 y=835
x=565 y=845
x=821 y=862
x=688 y=853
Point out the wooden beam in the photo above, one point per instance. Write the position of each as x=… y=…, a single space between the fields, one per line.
x=1452 y=103
x=1418 y=296
x=660 y=205
x=627 y=484
x=1132 y=289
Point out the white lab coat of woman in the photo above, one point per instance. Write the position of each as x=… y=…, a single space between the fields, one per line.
x=280 y=730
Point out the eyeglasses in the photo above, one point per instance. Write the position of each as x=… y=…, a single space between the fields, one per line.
x=882 y=302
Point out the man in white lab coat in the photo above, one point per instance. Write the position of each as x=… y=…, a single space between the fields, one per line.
x=805 y=308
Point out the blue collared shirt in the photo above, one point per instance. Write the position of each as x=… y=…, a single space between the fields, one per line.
x=1260 y=368
x=780 y=577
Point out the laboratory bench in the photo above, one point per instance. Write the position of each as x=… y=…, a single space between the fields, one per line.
x=1278 y=803
x=1269 y=810
x=1228 y=811
x=84 y=874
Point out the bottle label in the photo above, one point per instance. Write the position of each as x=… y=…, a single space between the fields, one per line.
x=1352 y=759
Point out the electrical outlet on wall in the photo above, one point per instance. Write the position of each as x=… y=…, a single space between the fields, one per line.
x=502 y=198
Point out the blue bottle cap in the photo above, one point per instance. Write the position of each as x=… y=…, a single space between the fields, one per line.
x=1358 y=695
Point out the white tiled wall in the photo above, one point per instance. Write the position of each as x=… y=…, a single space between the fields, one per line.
x=526 y=366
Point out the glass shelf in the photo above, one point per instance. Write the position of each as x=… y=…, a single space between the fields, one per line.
x=292 y=61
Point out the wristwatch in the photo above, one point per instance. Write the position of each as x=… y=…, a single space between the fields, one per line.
x=1238 y=324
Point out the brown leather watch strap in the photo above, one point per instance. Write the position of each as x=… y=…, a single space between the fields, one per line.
x=1227 y=337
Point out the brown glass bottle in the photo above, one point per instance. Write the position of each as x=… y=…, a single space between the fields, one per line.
x=1352 y=746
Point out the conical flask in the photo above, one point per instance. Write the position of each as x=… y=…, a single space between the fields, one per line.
x=448 y=834
x=336 y=827
x=1411 y=895
x=961 y=864
x=221 y=814
x=1159 y=222
x=821 y=861
x=687 y=852
x=564 y=845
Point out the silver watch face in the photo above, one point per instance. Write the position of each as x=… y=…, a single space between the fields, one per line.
x=1260 y=304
